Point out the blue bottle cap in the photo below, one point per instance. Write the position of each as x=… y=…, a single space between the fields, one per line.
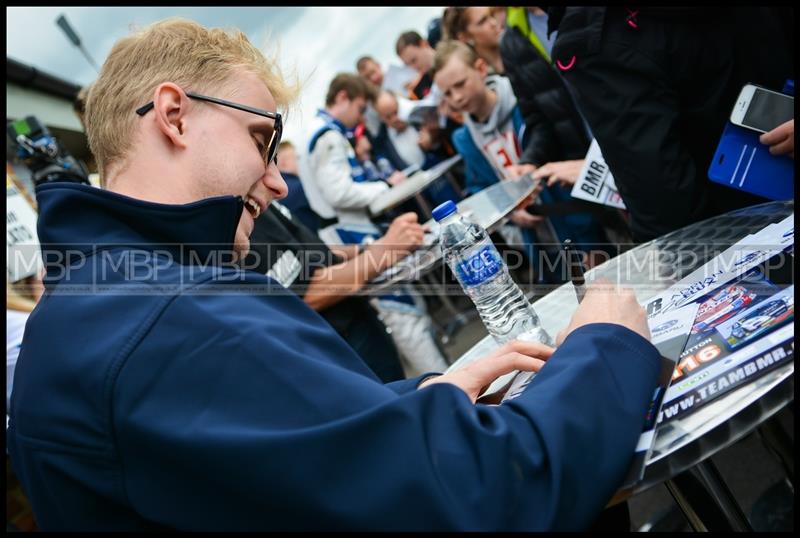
x=443 y=210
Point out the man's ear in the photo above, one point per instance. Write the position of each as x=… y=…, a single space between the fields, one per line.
x=170 y=105
x=341 y=97
x=481 y=67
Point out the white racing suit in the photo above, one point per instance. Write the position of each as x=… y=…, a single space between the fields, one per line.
x=341 y=189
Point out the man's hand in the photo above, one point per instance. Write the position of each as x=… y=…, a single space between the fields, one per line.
x=516 y=170
x=411 y=84
x=404 y=235
x=396 y=178
x=563 y=172
x=475 y=377
x=523 y=219
x=607 y=303
x=780 y=140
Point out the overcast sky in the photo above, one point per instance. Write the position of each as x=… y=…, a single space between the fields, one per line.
x=315 y=42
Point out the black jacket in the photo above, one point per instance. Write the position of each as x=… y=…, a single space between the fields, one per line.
x=657 y=86
x=554 y=129
x=382 y=145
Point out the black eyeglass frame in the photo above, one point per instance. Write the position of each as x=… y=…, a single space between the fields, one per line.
x=277 y=129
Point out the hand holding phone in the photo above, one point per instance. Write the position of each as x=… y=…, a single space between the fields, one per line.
x=761 y=110
x=780 y=140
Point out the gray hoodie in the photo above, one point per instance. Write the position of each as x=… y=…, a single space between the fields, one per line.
x=499 y=123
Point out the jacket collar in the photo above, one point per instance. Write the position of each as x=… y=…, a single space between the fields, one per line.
x=333 y=122
x=80 y=218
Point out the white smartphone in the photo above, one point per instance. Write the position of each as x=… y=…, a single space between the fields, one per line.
x=761 y=110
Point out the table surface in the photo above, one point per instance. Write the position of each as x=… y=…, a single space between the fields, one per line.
x=488 y=208
x=413 y=185
x=723 y=421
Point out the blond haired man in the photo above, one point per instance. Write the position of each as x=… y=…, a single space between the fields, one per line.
x=161 y=387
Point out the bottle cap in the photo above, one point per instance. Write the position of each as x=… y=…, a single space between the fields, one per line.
x=443 y=210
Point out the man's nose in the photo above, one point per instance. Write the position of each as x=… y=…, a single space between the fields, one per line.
x=274 y=181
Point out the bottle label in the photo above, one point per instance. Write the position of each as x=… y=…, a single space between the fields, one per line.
x=479 y=267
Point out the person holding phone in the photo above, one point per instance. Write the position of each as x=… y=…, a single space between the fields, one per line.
x=768 y=112
x=761 y=109
x=657 y=85
x=781 y=139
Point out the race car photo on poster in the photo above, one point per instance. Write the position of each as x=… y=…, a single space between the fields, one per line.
x=723 y=304
x=759 y=319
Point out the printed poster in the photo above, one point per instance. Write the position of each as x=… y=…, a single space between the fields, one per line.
x=595 y=182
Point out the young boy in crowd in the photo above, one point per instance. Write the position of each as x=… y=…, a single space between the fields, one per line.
x=493 y=145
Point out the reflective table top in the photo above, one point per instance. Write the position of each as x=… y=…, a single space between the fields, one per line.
x=650 y=268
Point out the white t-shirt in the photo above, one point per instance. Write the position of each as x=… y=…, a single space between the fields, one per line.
x=406 y=145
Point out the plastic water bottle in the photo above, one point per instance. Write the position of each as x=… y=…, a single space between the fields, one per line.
x=480 y=269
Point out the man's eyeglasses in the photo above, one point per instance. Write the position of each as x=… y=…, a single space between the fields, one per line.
x=270 y=150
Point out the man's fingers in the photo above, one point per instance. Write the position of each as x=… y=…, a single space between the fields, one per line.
x=408 y=217
x=544 y=171
x=518 y=361
x=515 y=355
x=477 y=376
x=534 y=349
x=778 y=134
x=600 y=285
x=785 y=146
x=530 y=220
x=485 y=372
x=552 y=181
x=412 y=229
x=410 y=239
x=604 y=287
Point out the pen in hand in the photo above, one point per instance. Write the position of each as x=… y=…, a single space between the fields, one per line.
x=575 y=264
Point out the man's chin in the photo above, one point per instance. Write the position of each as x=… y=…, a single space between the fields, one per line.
x=240 y=250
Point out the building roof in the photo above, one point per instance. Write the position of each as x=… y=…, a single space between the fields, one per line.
x=33 y=92
x=31 y=77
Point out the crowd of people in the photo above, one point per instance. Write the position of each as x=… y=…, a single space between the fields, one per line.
x=262 y=390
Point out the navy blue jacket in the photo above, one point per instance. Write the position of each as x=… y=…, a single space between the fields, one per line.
x=193 y=399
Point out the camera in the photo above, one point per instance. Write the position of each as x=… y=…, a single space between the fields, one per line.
x=41 y=152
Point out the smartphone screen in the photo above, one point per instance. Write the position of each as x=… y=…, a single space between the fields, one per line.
x=768 y=110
